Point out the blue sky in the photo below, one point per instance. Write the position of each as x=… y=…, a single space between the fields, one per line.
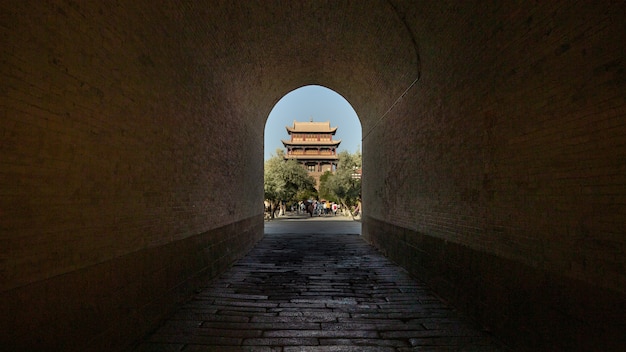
x=320 y=103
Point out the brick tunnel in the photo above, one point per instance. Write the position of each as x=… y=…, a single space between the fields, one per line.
x=131 y=155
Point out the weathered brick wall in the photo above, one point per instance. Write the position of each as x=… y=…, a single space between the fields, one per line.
x=514 y=148
x=124 y=171
x=131 y=136
x=131 y=142
x=517 y=130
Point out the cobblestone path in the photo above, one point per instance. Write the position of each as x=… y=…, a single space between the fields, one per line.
x=314 y=292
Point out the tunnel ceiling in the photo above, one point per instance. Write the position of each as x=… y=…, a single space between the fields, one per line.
x=260 y=51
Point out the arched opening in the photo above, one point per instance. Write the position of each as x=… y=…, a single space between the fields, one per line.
x=318 y=129
x=319 y=104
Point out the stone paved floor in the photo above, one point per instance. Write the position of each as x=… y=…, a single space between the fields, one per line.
x=303 y=290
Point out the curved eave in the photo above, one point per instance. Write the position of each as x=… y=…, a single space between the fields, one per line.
x=332 y=130
x=312 y=157
x=312 y=143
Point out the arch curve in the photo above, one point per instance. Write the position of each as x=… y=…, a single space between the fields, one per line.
x=369 y=56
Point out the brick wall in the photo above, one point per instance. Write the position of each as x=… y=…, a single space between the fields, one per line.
x=124 y=171
x=130 y=130
x=514 y=147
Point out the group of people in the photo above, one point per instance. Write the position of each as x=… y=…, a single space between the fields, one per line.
x=316 y=208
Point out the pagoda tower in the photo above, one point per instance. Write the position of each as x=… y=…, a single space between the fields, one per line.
x=312 y=145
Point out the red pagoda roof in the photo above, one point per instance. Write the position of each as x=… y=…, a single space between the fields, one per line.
x=304 y=157
x=311 y=127
x=312 y=143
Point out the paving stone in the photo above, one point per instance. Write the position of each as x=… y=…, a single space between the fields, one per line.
x=159 y=347
x=322 y=333
x=280 y=341
x=296 y=319
x=452 y=341
x=316 y=292
x=364 y=342
x=267 y=326
x=339 y=349
x=205 y=348
x=195 y=339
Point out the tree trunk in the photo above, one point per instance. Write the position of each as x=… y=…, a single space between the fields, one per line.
x=346 y=207
x=277 y=207
x=273 y=207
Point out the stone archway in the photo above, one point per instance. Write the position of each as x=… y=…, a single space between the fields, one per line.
x=131 y=133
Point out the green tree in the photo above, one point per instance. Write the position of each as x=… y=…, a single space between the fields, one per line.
x=324 y=191
x=285 y=180
x=344 y=183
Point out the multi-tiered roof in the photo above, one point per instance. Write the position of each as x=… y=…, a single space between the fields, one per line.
x=311 y=144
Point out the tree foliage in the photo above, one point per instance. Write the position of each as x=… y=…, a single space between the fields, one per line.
x=285 y=180
x=343 y=185
x=324 y=191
